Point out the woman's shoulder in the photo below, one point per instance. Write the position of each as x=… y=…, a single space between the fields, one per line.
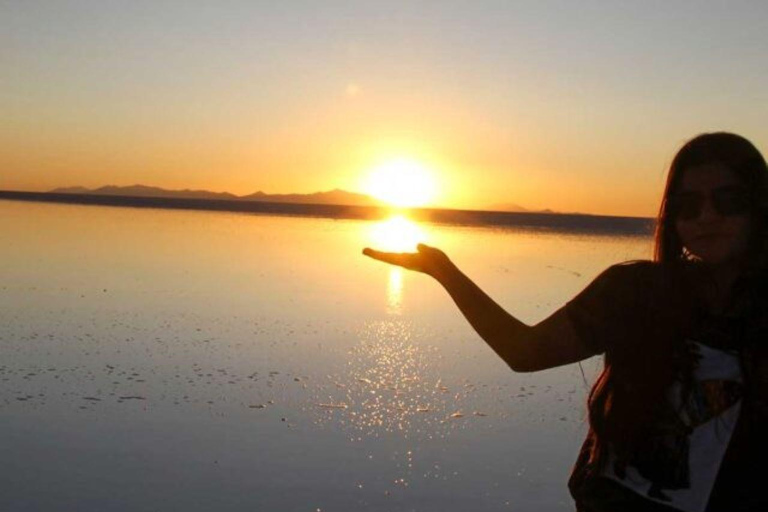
x=647 y=283
x=639 y=273
x=645 y=267
x=640 y=283
x=655 y=270
x=619 y=284
x=627 y=303
x=612 y=310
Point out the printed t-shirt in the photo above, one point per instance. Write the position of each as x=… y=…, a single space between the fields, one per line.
x=679 y=466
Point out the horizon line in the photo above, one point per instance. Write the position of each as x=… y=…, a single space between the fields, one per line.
x=91 y=192
x=561 y=222
x=379 y=202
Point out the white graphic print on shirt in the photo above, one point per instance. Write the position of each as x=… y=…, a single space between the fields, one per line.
x=684 y=461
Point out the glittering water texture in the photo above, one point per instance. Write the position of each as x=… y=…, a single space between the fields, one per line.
x=213 y=361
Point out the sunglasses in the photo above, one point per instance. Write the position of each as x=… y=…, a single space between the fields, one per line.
x=726 y=201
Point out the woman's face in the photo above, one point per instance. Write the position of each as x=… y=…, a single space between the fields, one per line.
x=712 y=214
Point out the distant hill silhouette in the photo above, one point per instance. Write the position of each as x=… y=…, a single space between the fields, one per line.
x=507 y=207
x=512 y=207
x=336 y=196
x=145 y=191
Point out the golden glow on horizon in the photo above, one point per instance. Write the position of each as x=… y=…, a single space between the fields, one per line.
x=401 y=182
x=396 y=234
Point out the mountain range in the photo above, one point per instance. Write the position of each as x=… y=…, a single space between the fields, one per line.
x=512 y=207
x=336 y=196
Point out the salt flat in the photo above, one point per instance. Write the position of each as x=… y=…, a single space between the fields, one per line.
x=159 y=360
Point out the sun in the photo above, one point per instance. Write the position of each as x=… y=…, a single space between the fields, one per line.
x=402 y=183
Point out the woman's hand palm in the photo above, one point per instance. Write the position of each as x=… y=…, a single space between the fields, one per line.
x=427 y=259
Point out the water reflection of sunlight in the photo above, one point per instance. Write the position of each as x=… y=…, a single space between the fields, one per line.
x=389 y=387
x=395 y=291
x=390 y=383
x=396 y=234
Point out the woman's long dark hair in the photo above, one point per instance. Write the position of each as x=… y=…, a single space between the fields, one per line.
x=628 y=398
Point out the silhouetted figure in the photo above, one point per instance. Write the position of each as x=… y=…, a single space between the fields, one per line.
x=678 y=415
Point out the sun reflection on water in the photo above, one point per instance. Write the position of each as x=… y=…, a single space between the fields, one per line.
x=391 y=387
x=387 y=369
x=396 y=234
x=395 y=291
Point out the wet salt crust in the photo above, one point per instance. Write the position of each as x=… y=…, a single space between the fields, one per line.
x=240 y=373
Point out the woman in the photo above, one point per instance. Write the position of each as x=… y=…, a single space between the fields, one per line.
x=677 y=415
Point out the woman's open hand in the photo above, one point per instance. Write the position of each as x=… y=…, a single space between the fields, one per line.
x=429 y=260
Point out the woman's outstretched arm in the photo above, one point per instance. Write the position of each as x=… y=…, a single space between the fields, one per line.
x=552 y=342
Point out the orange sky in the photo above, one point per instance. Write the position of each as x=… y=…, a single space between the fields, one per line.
x=573 y=109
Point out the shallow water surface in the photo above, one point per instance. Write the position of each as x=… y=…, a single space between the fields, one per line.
x=159 y=360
